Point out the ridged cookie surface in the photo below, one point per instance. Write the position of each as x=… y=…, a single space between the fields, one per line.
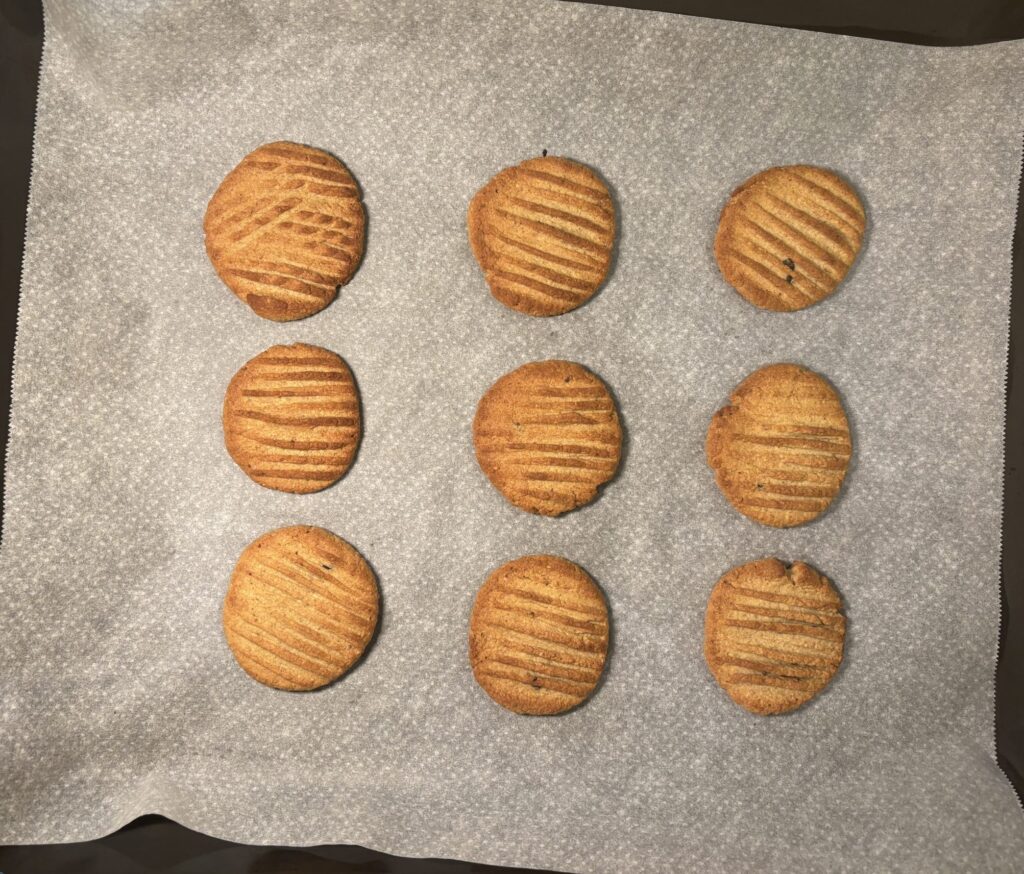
x=542 y=232
x=788 y=236
x=285 y=228
x=291 y=418
x=773 y=634
x=301 y=608
x=538 y=635
x=781 y=448
x=547 y=436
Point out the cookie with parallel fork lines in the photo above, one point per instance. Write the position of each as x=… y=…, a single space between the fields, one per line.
x=788 y=236
x=301 y=608
x=781 y=448
x=538 y=635
x=291 y=418
x=548 y=436
x=285 y=228
x=773 y=635
x=543 y=232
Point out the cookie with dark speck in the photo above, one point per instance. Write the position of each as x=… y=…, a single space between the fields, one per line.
x=774 y=635
x=538 y=635
x=301 y=608
x=788 y=236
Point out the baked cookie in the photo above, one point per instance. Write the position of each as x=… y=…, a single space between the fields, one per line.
x=543 y=232
x=301 y=608
x=285 y=228
x=781 y=448
x=548 y=436
x=291 y=418
x=773 y=634
x=538 y=635
x=788 y=236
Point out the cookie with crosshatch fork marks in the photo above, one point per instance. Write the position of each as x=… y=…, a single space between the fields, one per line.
x=547 y=435
x=789 y=235
x=301 y=608
x=543 y=232
x=285 y=228
x=291 y=418
x=538 y=635
x=781 y=448
x=773 y=634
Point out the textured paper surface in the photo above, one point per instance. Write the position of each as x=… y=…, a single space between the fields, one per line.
x=124 y=514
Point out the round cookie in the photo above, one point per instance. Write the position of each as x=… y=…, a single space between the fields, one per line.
x=773 y=635
x=285 y=228
x=542 y=232
x=301 y=608
x=291 y=418
x=548 y=436
x=788 y=236
x=538 y=635
x=780 y=450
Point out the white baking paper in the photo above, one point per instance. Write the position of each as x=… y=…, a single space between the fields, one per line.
x=125 y=515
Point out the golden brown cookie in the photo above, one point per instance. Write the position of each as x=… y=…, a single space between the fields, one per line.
x=543 y=232
x=781 y=448
x=301 y=608
x=285 y=228
x=773 y=634
x=538 y=635
x=548 y=436
x=291 y=418
x=788 y=236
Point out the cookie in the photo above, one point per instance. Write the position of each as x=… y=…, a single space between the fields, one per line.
x=301 y=608
x=548 y=436
x=285 y=228
x=788 y=236
x=291 y=418
x=781 y=448
x=542 y=232
x=538 y=635
x=773 y=634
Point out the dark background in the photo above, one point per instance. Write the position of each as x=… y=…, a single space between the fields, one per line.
x=153 y=843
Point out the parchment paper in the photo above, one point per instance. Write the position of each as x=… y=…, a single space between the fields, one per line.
x=124 y=514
